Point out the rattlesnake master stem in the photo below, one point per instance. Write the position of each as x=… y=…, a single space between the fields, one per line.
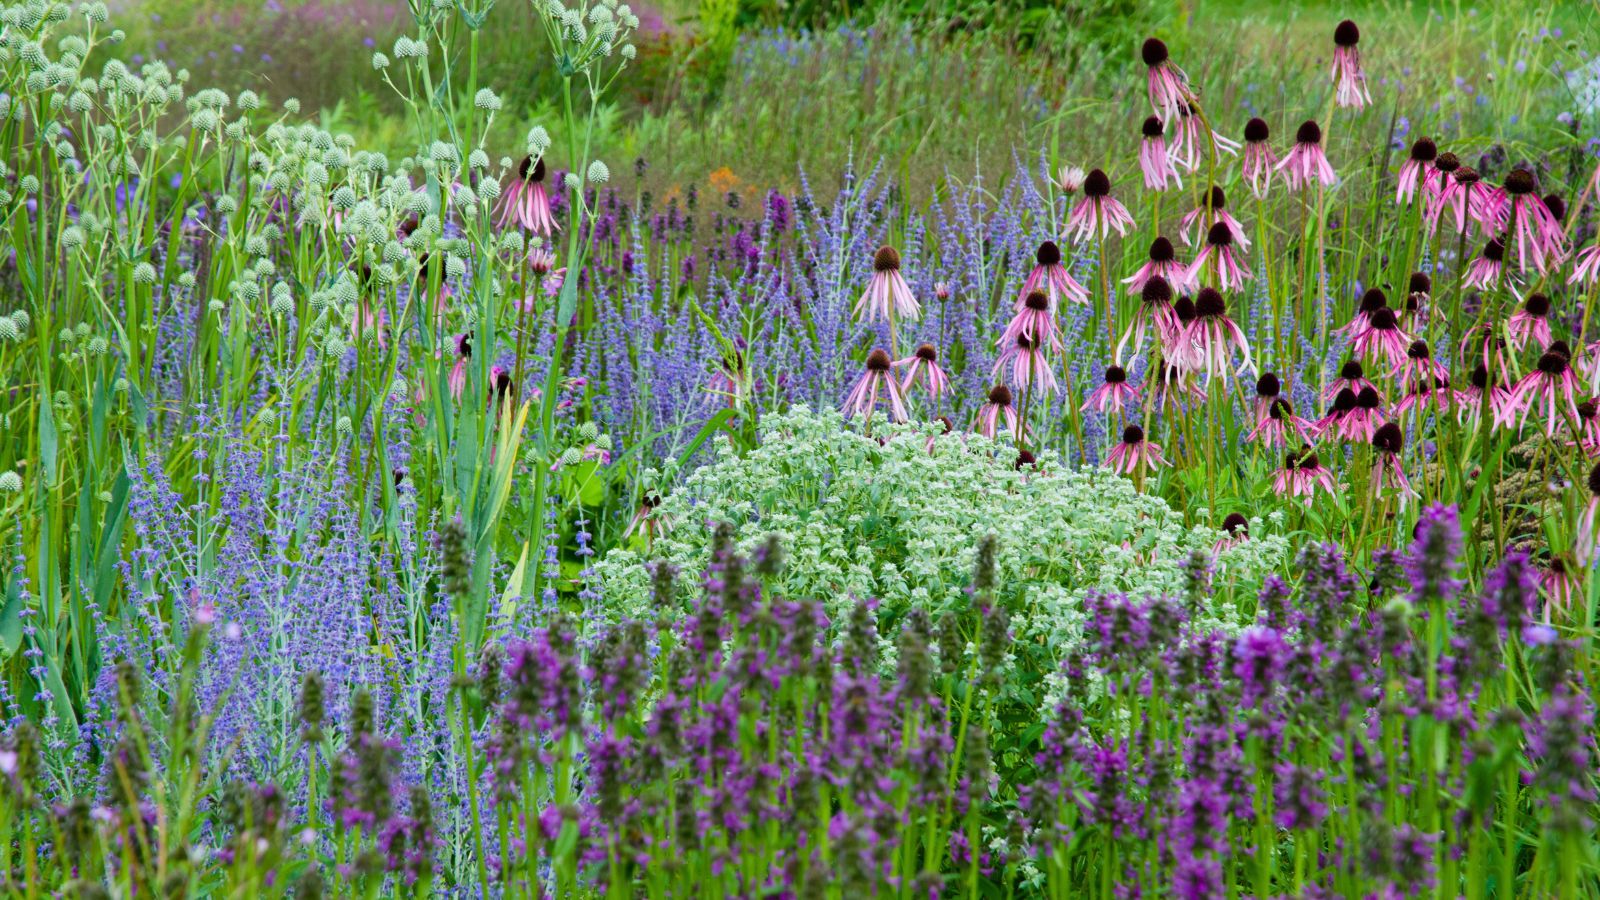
x=1256 y=131
x=1309 y=132
x=887 y=259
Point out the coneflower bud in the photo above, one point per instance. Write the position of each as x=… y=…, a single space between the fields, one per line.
x=1383 y=319
x=1154 y=52
x=1557 y=206
x=1161 y=251
x=1156 y=290
x=1209 y=303
x=1268 y=385
x=1594 y=480
x=1097 y=184
x=313 y=707
x=1520 y=182
x=1388 y=438
x=1219 y=235
x=1494 y=250
x=1344 y=401
x=1219 y=199
x=1048 y=254
x=1116 y=375
x=1256 y=130
x=927 y=353
x=1351 y=371
x=1419 y=350
x=1373 y=300
x=1309 y=132
x=1346 y=34
x=1560 y=346
x=878 y=360
x=1447 y=162
x=1537 y=304
x=1152 y=127
x=887 y=259
x=1000 y=395
x=1368 y=398
x=1424 y=150
x=1553 y=363
x=1184 y=309
x=1236 y=525
x=1132 y=434
x=1037 y=301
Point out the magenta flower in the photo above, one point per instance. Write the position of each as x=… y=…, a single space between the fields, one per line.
x=1098 y=212
x=1113 y=395
x=1306 y=162
x=1268 y=389
x=1029 y=367
x=1562 y=590
x=1347 y=75
x=1551 y=388
x=887 y=294
x=1469 y=401
x=923 y=366
x=1389 y=473
x=1584 y=547
x=1235 y=531
x=1259 y=163
x=1352 y=378
x=1435 y=393
x=1213 y=337
x=1483 y=342
x=1034 y=319
x=1586 y=266
x=1050 y=276
x=525 y=202
x=1530 y=323
x=863 y=398
x=1157 y=166
x=1420 y=368
x=1538 y=235
x=1155 y=312
x=1466 y=198
x=1280 y=427
x=1226 y=262
x=1415 y=169
x=730 y=380
x=1372 y=300
x=996 y=411
x=1383 y=341
x=1302 y=474
x=1205 y=218
x=1164 y=264
x=1588 y=437
x=1484 y=272
x=1168 y=85
x=1134 y=454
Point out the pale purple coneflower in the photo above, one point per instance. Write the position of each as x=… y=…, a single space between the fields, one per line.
x=997 y=410
x=1468 y=200
x=1224 y=259
x=1189 y=147
x=1213 y=337
x=458 y=372
x=1551 y=389
x=1469 y=400
x=946 y=427
x=1586 y=265
x=1372 y=300
x=1168 y=85
x=1235 y=531
x=1419 y=367
x=1305 y=162
x=1302 y=474
x=1562 y=590
x=1588 y=437
x=1178 y=346
x=1484 y=343
x=1155 y=312
x=1389 y=473
x=1484 y=272
x=1361 y=422
x=1423 y=152
x=1419 y=297
x=1280 y=427
x=1133 y=453
x=1070 y=179
x=1112 y=395
x=1259 y=163
x=887 y=295
x=730 y=380
x=525 y=202
x=922 y=366
x=875 y=379
x=1437 y=180
x=1348 y=78
x=1098 y=213
x=1383 y=341
x=1158 y=167
x=1537 y=232
x=1163 y=263
x=1205 y=218
x=1268 y=389
x=1050 y=275
x=1436 y=393
x=1030 y=368
x=1034 y=319
x=1352 y=377
x=1343 y=403
x=1172 y=386
x=1530 y=323
x=1584 y=542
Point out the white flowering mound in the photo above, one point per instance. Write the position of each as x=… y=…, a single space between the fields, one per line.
x=893 y=521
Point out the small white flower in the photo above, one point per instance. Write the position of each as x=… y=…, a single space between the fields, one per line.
x=599 y=173
x=10 y=482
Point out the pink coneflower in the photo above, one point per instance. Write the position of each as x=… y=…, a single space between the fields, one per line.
x=1306 y=162
x=1347 y=75
x=1070 y=179
x=1030 y=370
x=1483 y=342
x=1213 y=336
x=1485 y=270
x=1420 y=368
x=1163 y=263
x=945 y=427
x=863 y=398
x=1155 y=312
x=1467 y=199
x=1189 y=143
x=1436 y=393
x=1034 y=319
x=1352 y=378
x=923 y=366
x=525 y=202
x=1389 y=473
x=1586 y=265
x=1225 y=261
x=1205 y=218
x=1280 y=427
x=1383 y=341
x=1469 y=400
x=1343 y=404
x=1157 y=166
x=1423 y=152
x=1235 y=531
x=1134 y=454
x=1112 y=395
x=1050 y=276
x=1268 y=388
x=1098 y=212
x=370 y=321
x=647 y=520
x=1538 y=234
x=1179 y=346
x=458 y=372
x=1551 y=387
x=1437 y=181
x=887 y=295
x=1259 y=163
x=997 y=410
x=1372 y=300
x=1531 y=322
x=1562 y=589
x=1588 y=437
x=1419 y=294
x=1172 y=386
x=1302 y=474
x=1169 y=86
x=1584 y=542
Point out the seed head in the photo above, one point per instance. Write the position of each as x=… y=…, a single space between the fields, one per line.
x=1268 y=385
x=1420 y=283
x=1419 y=350
x=1219 y=235
x=1156 y=290
x=1553 y=363
x=1383 y=319
x=1236 y=525
x=1256 y=131
x=1161 y=251
x=1154 y=52
x=1447 y=162
x=1132 y=434
x=1424 y=150
x=1048 y=254
x=1116 y=375
x=878 y=360
x=1152 y=127
x=1309 y=132
x=1388 y=438
x=1000 y=395
x=1368 y=398
x=886 y=260
x=1346 y=34
x=927 y=353
x=1209 y=304
x=1037 y=301
x=1096 y=184
x=1557 y=206
x=1520 y=183
x=1537 y=304
x=1184 y=309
